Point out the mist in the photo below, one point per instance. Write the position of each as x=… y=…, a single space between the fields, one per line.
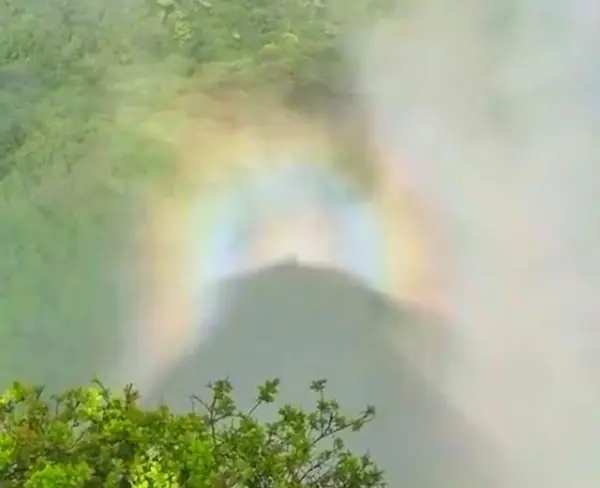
x=492 y=108
x=496 y=106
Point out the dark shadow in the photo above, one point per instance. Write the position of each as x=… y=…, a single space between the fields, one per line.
x=301 y=324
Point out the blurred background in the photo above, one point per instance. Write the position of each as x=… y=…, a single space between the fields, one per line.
x=492 y=108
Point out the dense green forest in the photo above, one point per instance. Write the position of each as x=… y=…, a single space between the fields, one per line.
x=76 y=80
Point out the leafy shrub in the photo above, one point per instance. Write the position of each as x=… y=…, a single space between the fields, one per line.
x=90 y=437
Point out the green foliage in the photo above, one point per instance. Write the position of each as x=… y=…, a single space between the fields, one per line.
x=252 y=41
x=90 y=437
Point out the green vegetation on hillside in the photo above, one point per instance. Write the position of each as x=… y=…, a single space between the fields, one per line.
x=76 y=79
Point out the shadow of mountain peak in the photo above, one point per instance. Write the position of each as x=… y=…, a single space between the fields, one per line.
x=422 y=336
x=301 y=323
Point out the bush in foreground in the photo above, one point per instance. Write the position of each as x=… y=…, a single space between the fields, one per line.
x=91 y=437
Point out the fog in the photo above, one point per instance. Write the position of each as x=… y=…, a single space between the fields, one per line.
x=492 y=109
x=501 y=122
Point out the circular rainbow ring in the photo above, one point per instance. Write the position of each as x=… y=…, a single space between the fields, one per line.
x=283 y=203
